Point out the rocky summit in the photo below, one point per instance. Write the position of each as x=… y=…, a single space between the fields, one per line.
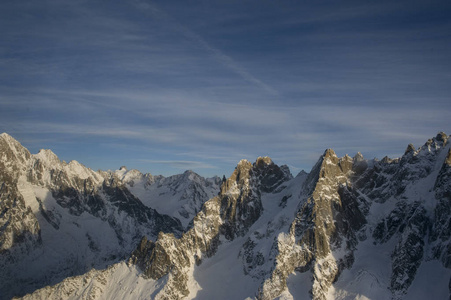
x=352 y=228
x=61 y=219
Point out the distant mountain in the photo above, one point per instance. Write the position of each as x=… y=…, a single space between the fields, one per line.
x=352 y=228
x=180 y=196
x=61 y=219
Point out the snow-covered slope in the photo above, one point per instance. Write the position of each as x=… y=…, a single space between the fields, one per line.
x=180 y=196
x=62 y=219
x=350 y=229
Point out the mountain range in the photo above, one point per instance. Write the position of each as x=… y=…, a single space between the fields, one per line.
x=351 y=228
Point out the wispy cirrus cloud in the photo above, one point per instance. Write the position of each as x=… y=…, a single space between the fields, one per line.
x=212 y=83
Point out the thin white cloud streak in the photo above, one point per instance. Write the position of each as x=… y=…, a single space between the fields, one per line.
x=81 y=26
x=303 y=127
x=116 y=45
x=224 y=59
x=261 y=123
x=164 y=107
x=183 y=121
x=189 y=111
x=183 y=112
x=97 y=130
x=375 y=133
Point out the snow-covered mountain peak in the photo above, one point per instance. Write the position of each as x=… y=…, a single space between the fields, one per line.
x=76 y=169
x=423 y=160
x=129 y=176
x=347 y=158
x=239 y=178
x=329 y=167
x=180 y=196
x=190 y=175
x=302 y=173
x=438 y=142
x=442 y=137
x=329 y=153
x=244 y=163
x=223 y=218
x=358 y=157
x=410 y=149
x=12 y=151
x=47 y=157
x=263 y=173
x=8 y=138
x=265 y=160
x=350 y=229
x=77 y=217
x=121 y=171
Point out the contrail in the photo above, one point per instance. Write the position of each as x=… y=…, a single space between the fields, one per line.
x=224 y=59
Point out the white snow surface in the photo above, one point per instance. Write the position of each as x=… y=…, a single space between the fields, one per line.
x=221 y=276
x=179 y=196
x=70 y=244
x=369 y=276
x=218 y=277
x=431 y=282
x=119 y=281
x=81 y=239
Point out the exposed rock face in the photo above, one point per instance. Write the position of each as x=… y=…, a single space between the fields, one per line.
x=47 y=205
x=18 y=225
x=332 y=219
x=351 y=228
x=228 y=215
x=327 y=220
x=441 y=226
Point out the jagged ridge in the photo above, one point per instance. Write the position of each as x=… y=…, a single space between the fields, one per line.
x=83 y=218
x=351 y=228
x=228 y=215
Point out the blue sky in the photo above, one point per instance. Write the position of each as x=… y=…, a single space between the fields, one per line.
x=165 y=86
